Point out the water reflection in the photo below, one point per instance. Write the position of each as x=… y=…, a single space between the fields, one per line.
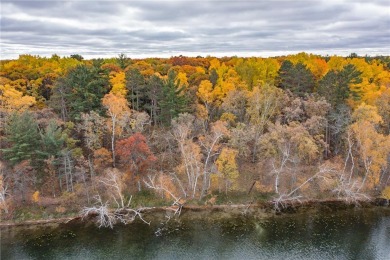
x=354 y=234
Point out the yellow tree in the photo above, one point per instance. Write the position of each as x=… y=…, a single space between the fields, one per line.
x=381 y=76
x=212 y=96
x=315 y=63
x=214 y=64
x=318 y=67
x=118 y=110
x=228 y=82
x=227 y=166
x=375 y=80
x=372 y=147
x=301 y=57
x=181 y=79
x=269 y=71
x=336 y=63
x=12 y=100
x=206 y=95
x=118 y=83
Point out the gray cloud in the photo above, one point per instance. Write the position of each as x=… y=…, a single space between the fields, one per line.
x=189 y=27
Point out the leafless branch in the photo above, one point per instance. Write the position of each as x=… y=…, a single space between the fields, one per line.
x=151 y=183
x=107 y=218
x=285 y=198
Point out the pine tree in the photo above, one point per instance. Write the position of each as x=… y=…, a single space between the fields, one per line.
x=136 y=85
x=335 y=86
x=296 y=78
x=52 y=142
x=23 y=136
x=80 y=91
x=154 y=94
x=173 y=101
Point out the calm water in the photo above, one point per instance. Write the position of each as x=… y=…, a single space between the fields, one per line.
x=351 y=234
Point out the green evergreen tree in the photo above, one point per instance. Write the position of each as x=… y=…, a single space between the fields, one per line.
x=52 y=142
x=136 y=86
x=173 y=100
x=296 y=78
x=154 y=88
x=81 y=90
x=123 y=61
x=335 y=85
x=21 y=132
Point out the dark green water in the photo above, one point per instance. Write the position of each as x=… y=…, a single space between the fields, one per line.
x=352 y=234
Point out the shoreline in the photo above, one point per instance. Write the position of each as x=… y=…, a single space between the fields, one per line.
x=258 y=210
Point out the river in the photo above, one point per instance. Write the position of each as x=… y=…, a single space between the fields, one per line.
x=345 y=234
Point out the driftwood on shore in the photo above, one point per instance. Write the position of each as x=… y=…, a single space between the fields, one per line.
x=259 y=209
x=41 y=221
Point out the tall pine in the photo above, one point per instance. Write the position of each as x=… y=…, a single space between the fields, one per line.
x=80 y=91
x=173 y=100
x=136 y=86
x=23 y=138
x=296 y=78
x=335 y=86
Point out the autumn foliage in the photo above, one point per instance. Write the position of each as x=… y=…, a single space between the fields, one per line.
x=135 y=154
x=300 y=126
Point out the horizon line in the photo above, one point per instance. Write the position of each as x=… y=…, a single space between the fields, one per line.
x=165 y=55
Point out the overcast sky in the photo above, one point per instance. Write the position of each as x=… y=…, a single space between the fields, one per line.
x=164 y=28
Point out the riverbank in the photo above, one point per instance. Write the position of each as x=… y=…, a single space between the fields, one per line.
x=196 y=212
x=354 y=233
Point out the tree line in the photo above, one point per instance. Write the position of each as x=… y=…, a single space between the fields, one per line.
x=294 y=127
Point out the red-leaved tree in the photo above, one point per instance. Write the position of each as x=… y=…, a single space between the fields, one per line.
x=135 y=155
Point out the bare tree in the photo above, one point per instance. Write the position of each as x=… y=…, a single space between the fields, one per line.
x=287 y=146
x=263 y=104
x=189 y=151
x=210 y=146
x=348 y=188
x=105 y=218
x=152 y=183
x=284 y=198
x=123 y=213
x=277 y=170
x=197 y=157
x=3 y=194
x=114 y=187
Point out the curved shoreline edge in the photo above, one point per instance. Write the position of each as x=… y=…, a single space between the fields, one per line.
x=256 y=209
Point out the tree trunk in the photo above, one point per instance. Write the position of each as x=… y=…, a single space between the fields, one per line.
x=85 y=186
x=91 y=169
x=277 y=183
x=113 y=143
x=251 y=188
x=258 y=132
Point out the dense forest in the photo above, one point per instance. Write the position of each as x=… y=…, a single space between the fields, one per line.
x=124 y=132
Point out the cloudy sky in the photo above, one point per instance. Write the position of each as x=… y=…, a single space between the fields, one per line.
x=164 y=28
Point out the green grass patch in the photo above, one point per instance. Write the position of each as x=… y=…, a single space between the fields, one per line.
x=237 y=197
x=148 y=198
